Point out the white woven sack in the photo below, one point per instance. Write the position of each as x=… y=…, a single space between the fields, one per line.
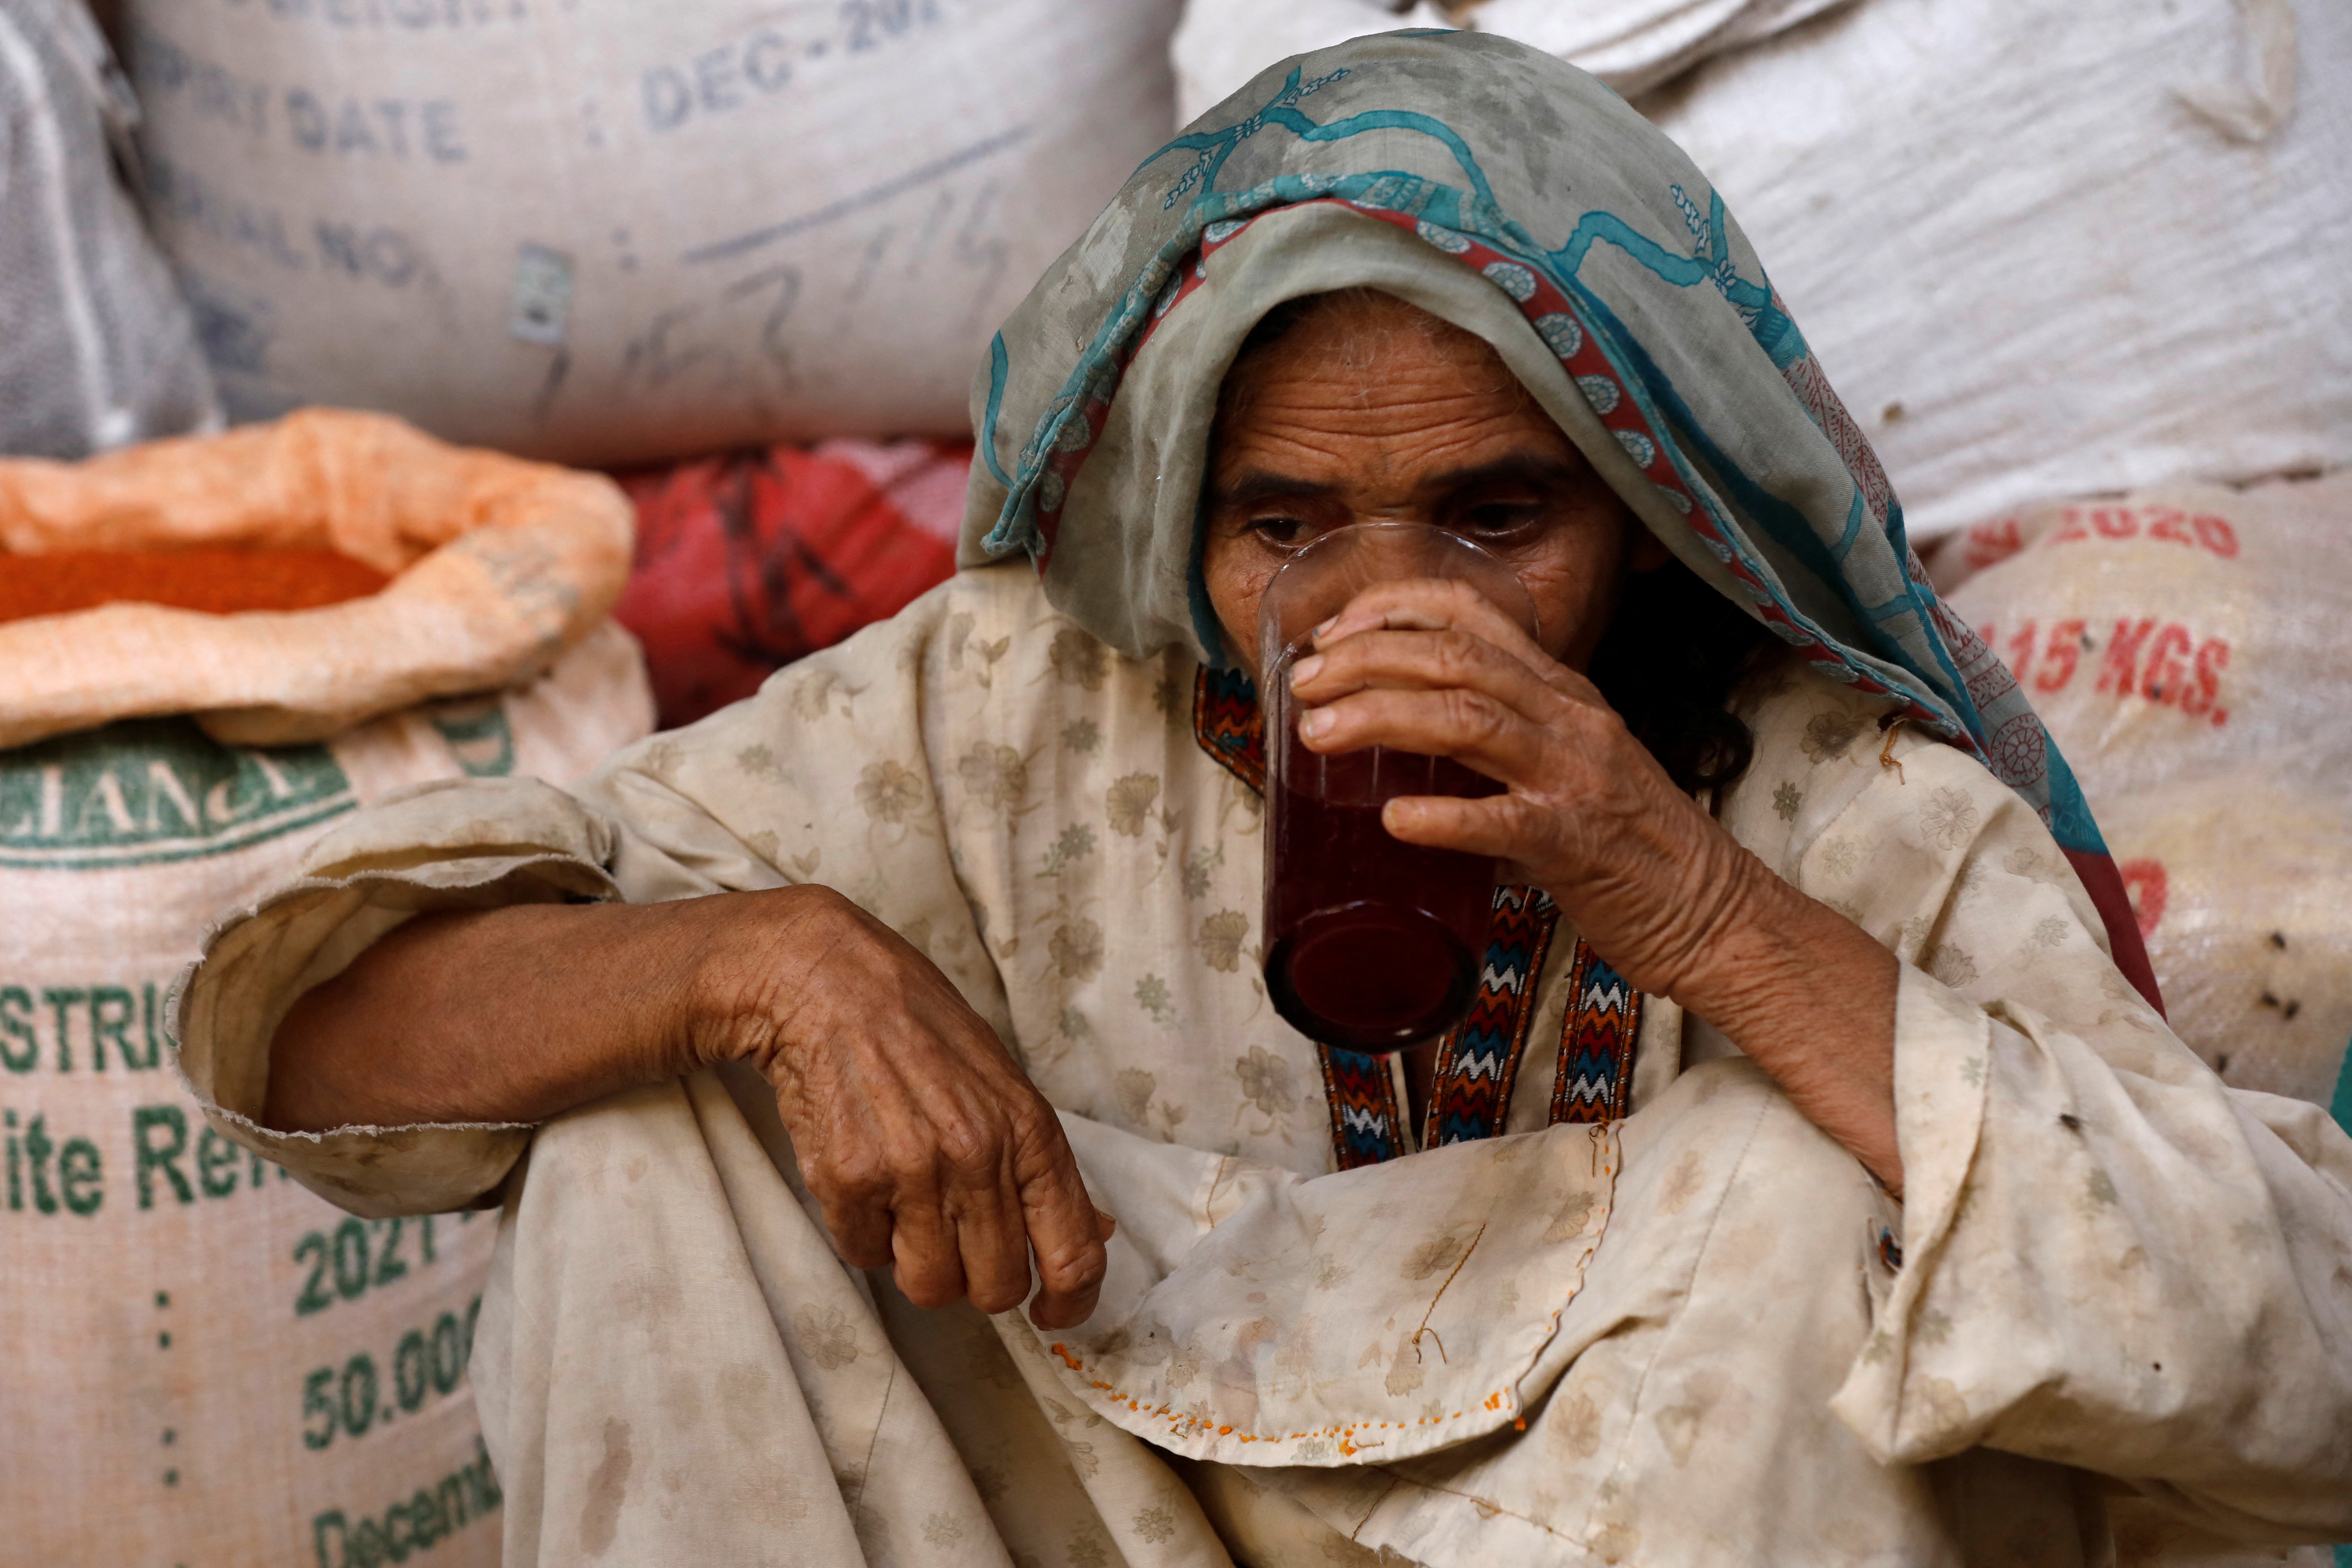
x=1632 y=44
x=96 y=348
x=603 y=232
x=2054 y=248
x=2050 y=247
x=207 y=1365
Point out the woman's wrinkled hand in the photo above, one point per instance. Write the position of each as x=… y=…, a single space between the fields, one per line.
x=928 y=1147
x=1587 y=813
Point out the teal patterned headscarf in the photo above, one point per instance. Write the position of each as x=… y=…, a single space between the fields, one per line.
x=1518 y=198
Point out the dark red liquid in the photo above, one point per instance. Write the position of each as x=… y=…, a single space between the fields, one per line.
x=1372 y=943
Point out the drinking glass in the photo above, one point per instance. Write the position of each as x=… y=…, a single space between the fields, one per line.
x=1371 y=943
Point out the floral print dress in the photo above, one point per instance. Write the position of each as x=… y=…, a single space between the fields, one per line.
x=1623 y=1305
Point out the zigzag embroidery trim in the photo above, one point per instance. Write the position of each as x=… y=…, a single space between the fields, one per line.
x=1598 y=1035
x=1478 y=1059
x=1364 y=1116
x=1228 y=725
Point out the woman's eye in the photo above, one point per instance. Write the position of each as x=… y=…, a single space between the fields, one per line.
x=1285 y=532
x=1498 y=517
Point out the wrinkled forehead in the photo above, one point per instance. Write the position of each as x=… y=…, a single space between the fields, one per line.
x=1120 y=510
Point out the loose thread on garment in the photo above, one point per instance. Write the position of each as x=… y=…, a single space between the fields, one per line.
x=1892 y=725
x=1425 y=1328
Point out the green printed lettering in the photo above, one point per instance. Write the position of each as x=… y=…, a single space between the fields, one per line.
x=318 y=1399
x=163 y=786
x=147 y=791
x=112 y=1010
x=38 y=1149
x=216 y=1163
x=478 y=737
x=153 y=1156
x=15 y=1167
x=313 y=1297
x=147 y=1015
x=60 y=999
x=332 y=1519
x=78 y=1177
x=425 y=1518
x=17 y=1024
x=45 y=816
x=105 y=795
x=352 y=1259
x=415 y=1524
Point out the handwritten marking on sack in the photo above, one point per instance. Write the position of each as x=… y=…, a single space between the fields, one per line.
x=353 y=1400
x=362 y=1255
x=758 y=64
x=2161 y=661
x=150 y=790
x=413 y=1524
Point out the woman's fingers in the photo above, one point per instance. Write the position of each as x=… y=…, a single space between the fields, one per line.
x=916 y=1131
x=1478 y=731
x=1497 y=826
x=1064 y=1226
x=1450 y=657
x=1427 y=604
x=926 y=1261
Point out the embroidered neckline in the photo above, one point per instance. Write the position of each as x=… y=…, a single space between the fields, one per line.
x=1597 y=1037
x=1229 y=725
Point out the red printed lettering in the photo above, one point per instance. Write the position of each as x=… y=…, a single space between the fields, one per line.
x=2212 y=660
x=2119 y=671
x=2216 y=534
x=2115 y=522
x=2170 y=522
x=2166 y=677
x=1990 y=542
x=2060 y=655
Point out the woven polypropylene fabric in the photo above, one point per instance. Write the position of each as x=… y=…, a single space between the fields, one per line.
x=96 y=348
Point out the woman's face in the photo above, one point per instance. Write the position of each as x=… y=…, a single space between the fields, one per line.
x=1371 y=410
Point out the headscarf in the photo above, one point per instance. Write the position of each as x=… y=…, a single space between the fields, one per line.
x=1517 y=197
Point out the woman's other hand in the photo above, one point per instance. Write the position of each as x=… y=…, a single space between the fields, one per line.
x=929 y=1149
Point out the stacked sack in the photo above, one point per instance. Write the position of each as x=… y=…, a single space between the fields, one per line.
x=96 y=347
x=2190 y=648
x=2058 y=247
x=749 y=561
x=209 y=1364
x=618 y=234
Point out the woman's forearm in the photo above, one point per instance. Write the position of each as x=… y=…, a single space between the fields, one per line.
x=504 y=1015
x=1810 y=997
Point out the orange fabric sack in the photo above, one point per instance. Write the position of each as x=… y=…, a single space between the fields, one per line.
x=498 y=566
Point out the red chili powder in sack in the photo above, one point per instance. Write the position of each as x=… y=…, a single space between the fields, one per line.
x=215 y=582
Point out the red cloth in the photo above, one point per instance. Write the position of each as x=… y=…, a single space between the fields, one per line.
x=747 y=561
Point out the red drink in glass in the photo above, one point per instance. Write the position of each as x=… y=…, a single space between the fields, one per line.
x=1371 y=943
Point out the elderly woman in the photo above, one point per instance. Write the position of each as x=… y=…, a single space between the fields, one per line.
x=1814 y=1179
